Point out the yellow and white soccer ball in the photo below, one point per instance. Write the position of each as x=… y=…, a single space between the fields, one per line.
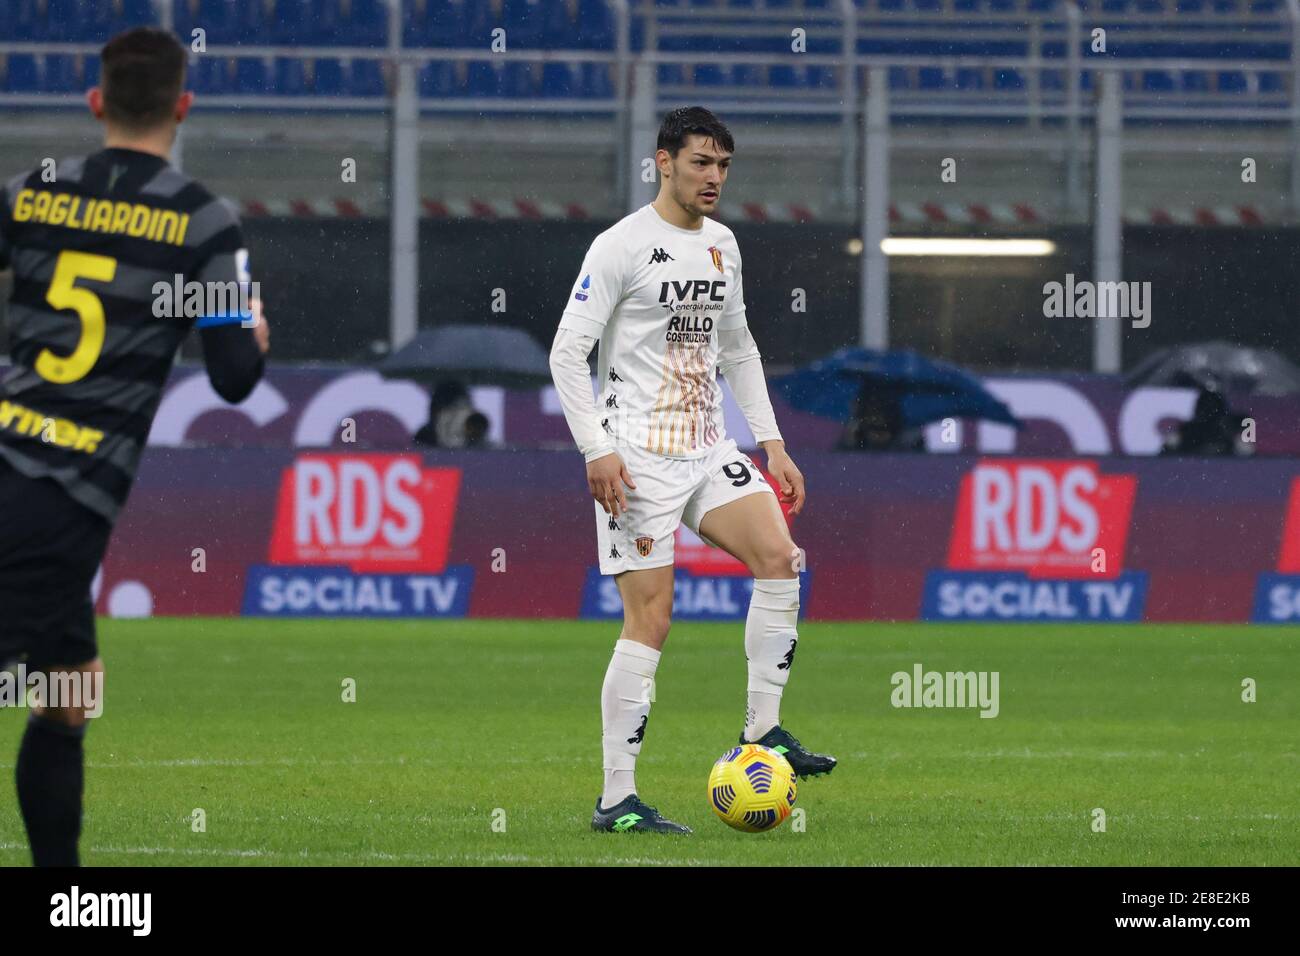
x=752 y=788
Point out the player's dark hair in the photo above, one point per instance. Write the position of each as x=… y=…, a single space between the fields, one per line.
x=142 y=73
x=681 y=123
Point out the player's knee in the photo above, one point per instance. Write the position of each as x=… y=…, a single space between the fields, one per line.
x=649 y=624
x=777 y=560
x=76 y=695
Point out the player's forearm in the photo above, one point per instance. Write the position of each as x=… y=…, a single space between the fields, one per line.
x=742 y=367
x=568 y=362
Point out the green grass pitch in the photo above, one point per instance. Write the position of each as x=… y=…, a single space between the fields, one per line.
x=455 y=719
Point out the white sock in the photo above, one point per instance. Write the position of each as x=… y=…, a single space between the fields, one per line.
x=770 y=640
x=625 y=709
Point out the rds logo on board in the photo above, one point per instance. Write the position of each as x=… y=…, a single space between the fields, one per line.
x=362 y=535
x=1038 y=540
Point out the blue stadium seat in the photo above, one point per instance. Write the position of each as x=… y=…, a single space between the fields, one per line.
x=524 y=23
x=784 y=76
x=364 y=24
x=966 y=6
x=590 y=28
x=1232 y=81
x=597 y=81
x=671 y=74
x=1158 y=81
x=89 y=72
x=290 y=76
x=291 y=22
x=559 y=80
x=22 y=75
x=209 y=75
x=23 y=20
x=1191 y=6
x=438 y=80
x=366 y=78
x=60 y=74
x=1194 y=81
x=931 y=78
x=708 y=74
x=969 y=78
x=748 y=75
x=65 y=22
x=899 y=79
x=327 y=78
x=483 y=80
x=250 y=76
x=1273 y=81
x=1008 y=79
x=441 y=23
x=822 y=77
x=520 y=80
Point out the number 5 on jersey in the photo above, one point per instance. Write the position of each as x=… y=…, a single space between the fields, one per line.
x=64 y=294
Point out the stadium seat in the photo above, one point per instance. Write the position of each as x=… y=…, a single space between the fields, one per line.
x=1273 y=81
x=783 y=76
x=290 y=76
x=597 y=82
x=22 y=73
x=748 y=75
x=364 y=24
x=209 y=75
x=822 y=77
x=60 y=74
x=899 y=78
x=559 y=80
x=65 y=22
x=366 y=78
x=1231 y=81
x=23 y=20
x=1158 y=81
x=1194 y=81
x=327 y=77
x=483 y=80
x=89 y=72
x=250 y=76
x=524 y=23
x=709 y=74
x=671 y=74
x=291 y=22
x=441 y=23
x=969 y=78
x=1008 y=79
x=438 y=80
x=931 y=78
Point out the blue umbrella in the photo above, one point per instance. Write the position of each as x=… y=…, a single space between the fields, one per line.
x=927 y=390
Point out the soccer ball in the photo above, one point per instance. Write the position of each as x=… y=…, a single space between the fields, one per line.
x=752 y=788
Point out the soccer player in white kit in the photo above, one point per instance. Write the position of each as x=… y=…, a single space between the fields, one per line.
x=661 y=292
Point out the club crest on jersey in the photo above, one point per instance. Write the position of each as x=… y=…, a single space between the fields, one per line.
x=644 y=544
x=716 y=253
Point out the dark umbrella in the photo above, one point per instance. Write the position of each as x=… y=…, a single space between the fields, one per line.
x=472 y=355
x=1219 y=366
x=927 y=390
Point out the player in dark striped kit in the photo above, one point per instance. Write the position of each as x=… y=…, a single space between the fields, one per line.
x=90 y=350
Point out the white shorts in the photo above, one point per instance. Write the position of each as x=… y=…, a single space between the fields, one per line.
x=670 y=492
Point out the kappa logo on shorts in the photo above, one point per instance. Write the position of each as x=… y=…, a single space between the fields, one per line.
x=644 y=544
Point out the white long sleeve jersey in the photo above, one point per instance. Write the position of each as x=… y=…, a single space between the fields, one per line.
x=664 y=302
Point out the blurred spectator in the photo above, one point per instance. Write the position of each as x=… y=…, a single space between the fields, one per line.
x=877 y=423
x=453 y=421
x=1213 y=429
